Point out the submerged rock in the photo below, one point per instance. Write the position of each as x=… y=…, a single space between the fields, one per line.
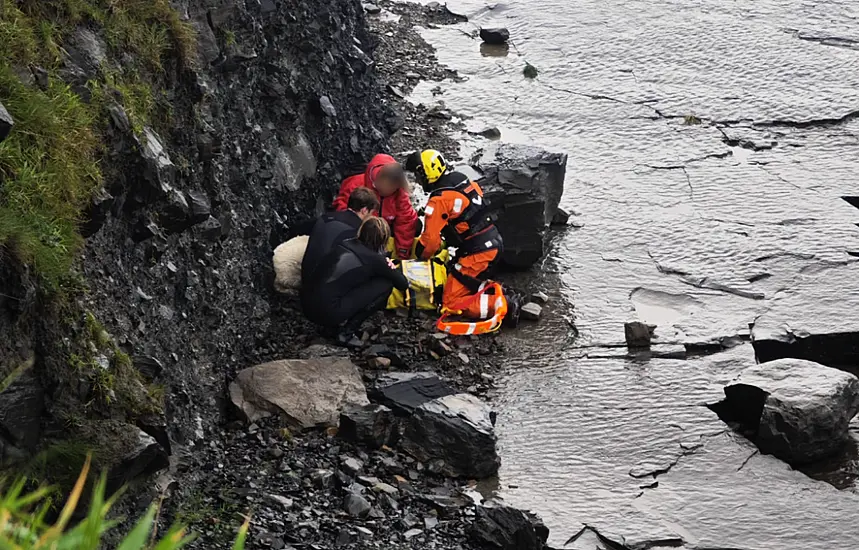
x=796 y=410
x=457 y=430
x=524 y=184
x=495 y=36
x=500 y=526
x=6 y=122
x=308 y=393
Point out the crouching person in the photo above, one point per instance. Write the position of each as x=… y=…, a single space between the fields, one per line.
x=352 y=282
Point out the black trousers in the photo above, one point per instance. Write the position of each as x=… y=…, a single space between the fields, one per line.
x=348 y=311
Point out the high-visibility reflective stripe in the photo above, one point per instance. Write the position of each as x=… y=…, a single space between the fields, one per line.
x=488 y=244
x=482 y=286
x=429 y=210
x=484 y=306
x=458 y=267
x=457 y=205
x=471 y=328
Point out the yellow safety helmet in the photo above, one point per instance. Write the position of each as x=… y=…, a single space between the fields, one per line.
x=434 y=165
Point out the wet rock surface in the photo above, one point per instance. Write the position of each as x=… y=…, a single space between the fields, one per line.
x=797 y=410
x=664 y=223
x=503 y=527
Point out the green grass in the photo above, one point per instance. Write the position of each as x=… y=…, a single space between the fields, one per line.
x=24 y=524
x=49 y=164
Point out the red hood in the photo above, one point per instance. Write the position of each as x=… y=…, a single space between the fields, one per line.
x=373 y=168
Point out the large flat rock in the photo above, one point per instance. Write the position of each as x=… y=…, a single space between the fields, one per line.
x=816 y=319
x=309 y=393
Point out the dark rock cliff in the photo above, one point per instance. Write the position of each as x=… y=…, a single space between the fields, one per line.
x=177 y=261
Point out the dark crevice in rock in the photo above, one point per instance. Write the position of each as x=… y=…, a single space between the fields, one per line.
x=749 y=458
x=812 y=123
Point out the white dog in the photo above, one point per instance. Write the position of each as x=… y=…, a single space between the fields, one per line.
x=287 y=264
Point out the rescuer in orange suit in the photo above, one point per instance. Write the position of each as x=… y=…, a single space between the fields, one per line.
x=458 y=212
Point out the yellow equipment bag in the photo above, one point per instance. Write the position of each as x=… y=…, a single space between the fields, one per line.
x=426 y=284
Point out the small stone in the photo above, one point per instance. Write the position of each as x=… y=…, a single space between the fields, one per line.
x=344 y=537
x=430 y=523
x=463 y=357
x=380 y=363
x=411 y=533
x=281 y=500
x=530 y=71
x=638 y=334
x=364 y=533
x=327 y=107
x=352 y=465
x=142 y=295
x=490 y=133
x=495 y=36
x=356 y=506
x=369 y=481
x=540 y=297
x=385 y=488
x=531 y=311
x=561 y=217
x=253 y=428
x=323 y=479
x=372 y=9
x=165 y=312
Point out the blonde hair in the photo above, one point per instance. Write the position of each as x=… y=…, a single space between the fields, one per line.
x=374 y=233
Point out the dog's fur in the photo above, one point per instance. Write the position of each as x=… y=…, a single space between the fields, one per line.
x=287 y=264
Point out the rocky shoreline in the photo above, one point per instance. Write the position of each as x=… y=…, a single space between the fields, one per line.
x=323 y=489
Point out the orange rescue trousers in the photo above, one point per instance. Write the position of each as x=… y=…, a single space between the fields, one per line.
x=454 y=291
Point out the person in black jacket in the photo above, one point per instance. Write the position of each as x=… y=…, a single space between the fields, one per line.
x=332 y=228
x=352 y=282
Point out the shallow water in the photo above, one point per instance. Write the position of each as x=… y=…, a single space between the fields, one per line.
x=698 y=228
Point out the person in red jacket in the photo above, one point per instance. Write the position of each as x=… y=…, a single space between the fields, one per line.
x=386 y=178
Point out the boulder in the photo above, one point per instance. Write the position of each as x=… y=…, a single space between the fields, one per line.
x=500 y=526
x=404 y=392
x=6 y=123
x=371 y=425
x=794 y=409
x=524 y=185
x=21 y=404
x=495 y=36
x=456 y=430
x=287 y=264
x=307 y=393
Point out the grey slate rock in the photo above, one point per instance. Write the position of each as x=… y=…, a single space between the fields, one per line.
x=356 y=506
x=500 y=526
x=798 y=410
x=525 y=185
x=638 y=334
x=371 y=425
x=327 y=107
x=531 y=312
x=495 y=36
x=457 y=432
x=404 y=392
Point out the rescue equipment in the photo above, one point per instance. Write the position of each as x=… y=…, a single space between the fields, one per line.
x=493 y=309
x=426 y=284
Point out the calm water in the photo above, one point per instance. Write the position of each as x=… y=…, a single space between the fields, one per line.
x=697 y=228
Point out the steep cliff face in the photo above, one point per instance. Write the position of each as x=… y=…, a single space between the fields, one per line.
x=253 y=136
